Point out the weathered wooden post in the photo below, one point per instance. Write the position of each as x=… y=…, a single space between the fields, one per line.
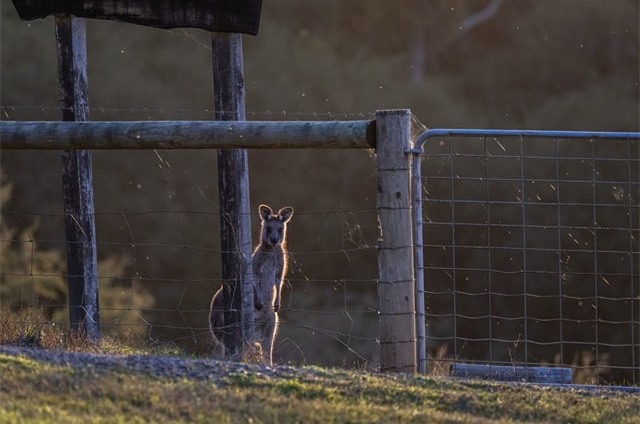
x=395 y=247
x=77 y=186
x=233 y=194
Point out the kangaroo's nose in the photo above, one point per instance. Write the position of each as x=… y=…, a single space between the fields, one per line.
x=274 y=241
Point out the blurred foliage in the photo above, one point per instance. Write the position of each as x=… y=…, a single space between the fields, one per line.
x=33 y=277
x=563 y=64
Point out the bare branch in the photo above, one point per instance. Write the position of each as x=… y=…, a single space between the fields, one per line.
x=482 y=16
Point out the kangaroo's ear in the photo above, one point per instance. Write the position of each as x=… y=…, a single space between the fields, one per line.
x=265 y=212
x=285 y=213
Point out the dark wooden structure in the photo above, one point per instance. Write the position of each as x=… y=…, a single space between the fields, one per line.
x=226 y=19
x=77 y=187
x=242 y=16
x=233 y=194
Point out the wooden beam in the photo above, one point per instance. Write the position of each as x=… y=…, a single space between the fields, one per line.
x=555 y=375
x=395 y=253
x=39 y=135
x=211 y=15
x=233 y=194
x=77 y=187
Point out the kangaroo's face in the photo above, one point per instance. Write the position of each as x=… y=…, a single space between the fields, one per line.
x=274 y=226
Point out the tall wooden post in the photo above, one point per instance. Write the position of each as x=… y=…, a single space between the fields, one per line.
x=233 y=188
x=395 y=247
x=82 y=262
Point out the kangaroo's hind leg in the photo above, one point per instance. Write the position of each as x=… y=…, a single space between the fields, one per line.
x=269 y=338
x=216 y=322
x=264 y=334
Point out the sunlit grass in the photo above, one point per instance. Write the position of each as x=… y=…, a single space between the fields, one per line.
x=40 y=392
x=36 y=392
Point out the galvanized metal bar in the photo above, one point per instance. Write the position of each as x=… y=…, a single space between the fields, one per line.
x=456 y=132
x=418 y=257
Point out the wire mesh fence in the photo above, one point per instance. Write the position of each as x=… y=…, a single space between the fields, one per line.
x=157 y=236
x=158 y=250
x=532 y=252
x=156 y=286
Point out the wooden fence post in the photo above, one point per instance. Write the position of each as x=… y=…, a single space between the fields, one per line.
x=82 y=262
x=233 y=188
x=395 y=247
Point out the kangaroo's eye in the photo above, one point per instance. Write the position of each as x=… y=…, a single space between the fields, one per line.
x=268 y=230
x=280 y=230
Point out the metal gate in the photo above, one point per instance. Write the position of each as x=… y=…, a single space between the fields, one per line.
x=527 y=250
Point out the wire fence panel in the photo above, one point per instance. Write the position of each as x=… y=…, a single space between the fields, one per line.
x=532 y=251
x=158 y=261
x=156 y=285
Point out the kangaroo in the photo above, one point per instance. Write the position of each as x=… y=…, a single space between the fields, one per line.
x=269 y=270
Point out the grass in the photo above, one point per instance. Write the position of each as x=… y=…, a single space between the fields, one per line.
x=29 y=328
x=39 y=392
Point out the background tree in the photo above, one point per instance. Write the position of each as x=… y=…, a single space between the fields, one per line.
x=33 y=277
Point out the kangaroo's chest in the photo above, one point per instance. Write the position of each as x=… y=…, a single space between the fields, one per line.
x=266 y=265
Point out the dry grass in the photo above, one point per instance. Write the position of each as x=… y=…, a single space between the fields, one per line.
x=30 y=328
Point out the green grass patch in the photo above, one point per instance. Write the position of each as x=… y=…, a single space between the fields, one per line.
x=38 y=392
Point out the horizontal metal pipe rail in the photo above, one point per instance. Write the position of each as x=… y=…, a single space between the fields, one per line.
x=455 y=132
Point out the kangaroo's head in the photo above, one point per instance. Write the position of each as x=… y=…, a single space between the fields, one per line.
x=274 y=226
